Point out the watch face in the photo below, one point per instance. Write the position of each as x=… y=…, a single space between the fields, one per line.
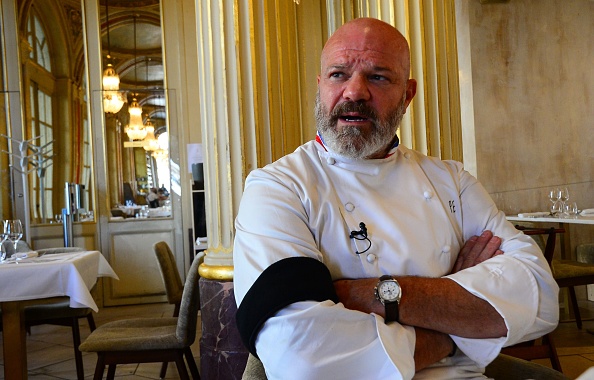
x=389 y=291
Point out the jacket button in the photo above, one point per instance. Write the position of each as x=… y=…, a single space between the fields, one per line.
x=349 y=207
x=428 y=194
x=446 y=249
x=371 y=258
x=330 y=160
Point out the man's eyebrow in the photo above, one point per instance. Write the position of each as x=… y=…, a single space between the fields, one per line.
x=341 y=66
x=338 y=66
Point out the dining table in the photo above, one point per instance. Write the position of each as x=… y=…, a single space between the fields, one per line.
x=43 y=278
x=562 y=222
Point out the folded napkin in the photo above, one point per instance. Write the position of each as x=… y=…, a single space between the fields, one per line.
x=539 y=214
x=587 y=211
x=25 y=255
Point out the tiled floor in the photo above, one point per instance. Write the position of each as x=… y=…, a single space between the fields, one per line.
x=50 y=354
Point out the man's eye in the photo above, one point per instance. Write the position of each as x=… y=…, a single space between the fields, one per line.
x=337 y=75
x=378 y=77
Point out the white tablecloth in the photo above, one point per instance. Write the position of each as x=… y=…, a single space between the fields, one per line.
x=589 y=219
x=54 y=275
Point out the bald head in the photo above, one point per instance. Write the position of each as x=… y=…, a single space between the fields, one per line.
x=369 y=34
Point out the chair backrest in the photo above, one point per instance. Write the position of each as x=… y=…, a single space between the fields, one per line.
x=551 y=233
x=190 y=304
x=173 y=283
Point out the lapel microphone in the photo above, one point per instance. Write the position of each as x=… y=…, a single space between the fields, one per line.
x=360 y=235
x=362 y=232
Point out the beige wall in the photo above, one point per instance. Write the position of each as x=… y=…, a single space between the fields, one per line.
x=533 y=95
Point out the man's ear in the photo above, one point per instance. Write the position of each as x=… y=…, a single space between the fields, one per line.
x=411 y=90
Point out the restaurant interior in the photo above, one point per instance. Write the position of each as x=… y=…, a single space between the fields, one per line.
x=106 y=102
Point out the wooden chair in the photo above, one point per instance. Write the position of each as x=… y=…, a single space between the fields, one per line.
x=59 y=312
x=543 y=348
x=150 y=340
x=569 y=274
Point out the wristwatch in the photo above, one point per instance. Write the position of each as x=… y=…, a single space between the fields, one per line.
x=388 y=292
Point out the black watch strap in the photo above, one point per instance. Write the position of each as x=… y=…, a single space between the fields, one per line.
x=392 y=314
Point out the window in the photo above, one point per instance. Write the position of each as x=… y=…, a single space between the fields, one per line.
x=40 y=133
x=36 y=36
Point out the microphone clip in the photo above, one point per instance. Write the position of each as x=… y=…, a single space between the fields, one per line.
x=360 y=235
x=362 y=232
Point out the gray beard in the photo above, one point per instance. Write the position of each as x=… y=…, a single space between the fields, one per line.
x=350 y=142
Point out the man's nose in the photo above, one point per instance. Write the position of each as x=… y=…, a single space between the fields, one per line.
x=356 y=89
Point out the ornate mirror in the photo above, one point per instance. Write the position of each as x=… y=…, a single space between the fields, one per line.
x=134 y=102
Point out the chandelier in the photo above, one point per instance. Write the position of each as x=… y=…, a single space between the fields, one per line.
x=113 y=98
x=150 y=142
x=161 y=154
x=135 y=129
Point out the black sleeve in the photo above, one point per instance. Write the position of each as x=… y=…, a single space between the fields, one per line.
x=285 y=282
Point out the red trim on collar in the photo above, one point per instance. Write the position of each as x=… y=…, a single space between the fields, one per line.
x=319 y=141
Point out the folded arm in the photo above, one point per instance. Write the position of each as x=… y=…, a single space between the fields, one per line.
x=438 y=304
x=436 y=307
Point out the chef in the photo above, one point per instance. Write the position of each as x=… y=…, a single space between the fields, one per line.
x=358 y=258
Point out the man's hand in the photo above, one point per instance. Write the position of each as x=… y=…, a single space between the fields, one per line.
x=476 y=250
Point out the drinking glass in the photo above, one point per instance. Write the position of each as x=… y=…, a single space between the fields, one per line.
x=563 y=198
x=2 y=253
x=564 y=194
x=13 y=230
x=554 y=197
x=571 y=209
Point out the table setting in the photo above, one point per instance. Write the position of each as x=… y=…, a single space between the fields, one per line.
x=30 y=277
x=560 y=208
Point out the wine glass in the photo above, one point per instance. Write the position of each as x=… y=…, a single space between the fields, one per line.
x=563 y=198
x=13 y=230
x=554 y=197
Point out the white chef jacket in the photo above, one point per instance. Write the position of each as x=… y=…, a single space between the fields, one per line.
x=418 y=211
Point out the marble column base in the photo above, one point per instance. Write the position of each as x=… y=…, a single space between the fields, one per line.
x=222 y=355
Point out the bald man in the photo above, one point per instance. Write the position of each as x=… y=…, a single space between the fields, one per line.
x=358 y=258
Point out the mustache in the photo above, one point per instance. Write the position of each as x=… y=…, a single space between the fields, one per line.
x=362 y=109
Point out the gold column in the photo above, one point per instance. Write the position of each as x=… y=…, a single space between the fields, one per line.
x=256 y=105
x=258 y=62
